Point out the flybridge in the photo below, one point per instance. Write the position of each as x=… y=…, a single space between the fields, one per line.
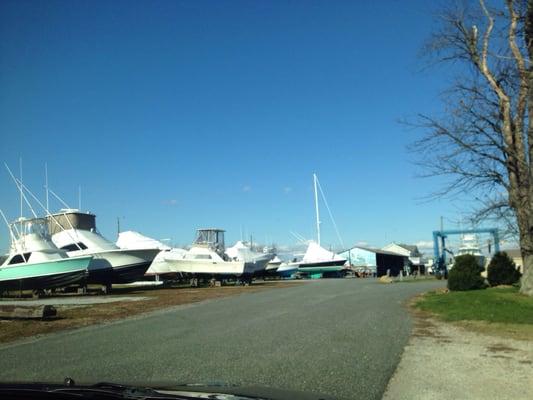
x=71 y=219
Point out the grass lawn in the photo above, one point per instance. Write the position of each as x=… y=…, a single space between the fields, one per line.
x=493 y=305
x=501 y=311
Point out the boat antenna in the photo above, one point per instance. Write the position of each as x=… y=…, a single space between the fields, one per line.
x=8 y=225
x=79 y=197
x=46 y=185
x=316 y=210
x=330 y=213
x=22 y=195
x=12 y=235
x=59 y=198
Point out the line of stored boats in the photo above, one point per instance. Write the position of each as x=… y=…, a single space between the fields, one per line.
x=65 y=249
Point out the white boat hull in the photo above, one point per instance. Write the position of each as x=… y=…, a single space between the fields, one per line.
x=272 y=267
x=117 y=265
x=286 y=270
x=159 y=266
x=166 y=262
x=201 y=267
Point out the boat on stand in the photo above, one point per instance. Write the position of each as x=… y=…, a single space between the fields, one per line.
x=287 y=269
x=76 y=233
x=35 y=263
x=273 y=265
x=317 y=261
x=162 y=266
x=206 y=259
x=242 y=251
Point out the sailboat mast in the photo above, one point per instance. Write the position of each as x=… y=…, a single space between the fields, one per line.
x=317 y=211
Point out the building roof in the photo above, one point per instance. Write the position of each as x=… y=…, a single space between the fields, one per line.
x=377 y=251
x=411 y=247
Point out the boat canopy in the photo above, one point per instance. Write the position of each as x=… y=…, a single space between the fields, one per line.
x=210 y=237
x=36 y=226
x=240 y=251
x=71 y=218
x=135 y=240
x=316 y=253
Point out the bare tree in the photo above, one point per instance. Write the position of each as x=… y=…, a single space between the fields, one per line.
x=483 y=141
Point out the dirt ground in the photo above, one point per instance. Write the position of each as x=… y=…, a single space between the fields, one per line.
x=69 y=317
x=463 y=361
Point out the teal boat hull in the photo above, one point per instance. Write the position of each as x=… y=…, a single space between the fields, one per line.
x=323 y=269
x=45 y=275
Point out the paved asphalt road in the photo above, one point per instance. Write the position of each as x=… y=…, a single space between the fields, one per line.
x=341 y=337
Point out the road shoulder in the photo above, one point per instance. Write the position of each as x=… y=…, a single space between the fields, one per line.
x=448 y=361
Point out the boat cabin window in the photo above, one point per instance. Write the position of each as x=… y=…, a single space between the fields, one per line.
x=203 y=256
x=74 y=247
x=19 y=258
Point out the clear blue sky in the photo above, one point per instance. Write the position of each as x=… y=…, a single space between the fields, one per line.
x=176 y=115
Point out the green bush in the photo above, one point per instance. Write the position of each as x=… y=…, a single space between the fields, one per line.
x=502 y=270
x=465 y=274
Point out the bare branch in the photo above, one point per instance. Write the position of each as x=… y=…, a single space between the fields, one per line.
x=483 y=144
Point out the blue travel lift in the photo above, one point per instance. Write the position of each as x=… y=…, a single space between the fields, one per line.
x=439 y=252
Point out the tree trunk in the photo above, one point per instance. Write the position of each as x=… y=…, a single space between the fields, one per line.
x=526 y=238
x=526 y=284
x=522 y=206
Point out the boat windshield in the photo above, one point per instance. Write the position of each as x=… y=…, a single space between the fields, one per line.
x=210 y=237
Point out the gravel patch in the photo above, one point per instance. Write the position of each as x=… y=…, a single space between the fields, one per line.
x=445 y=361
